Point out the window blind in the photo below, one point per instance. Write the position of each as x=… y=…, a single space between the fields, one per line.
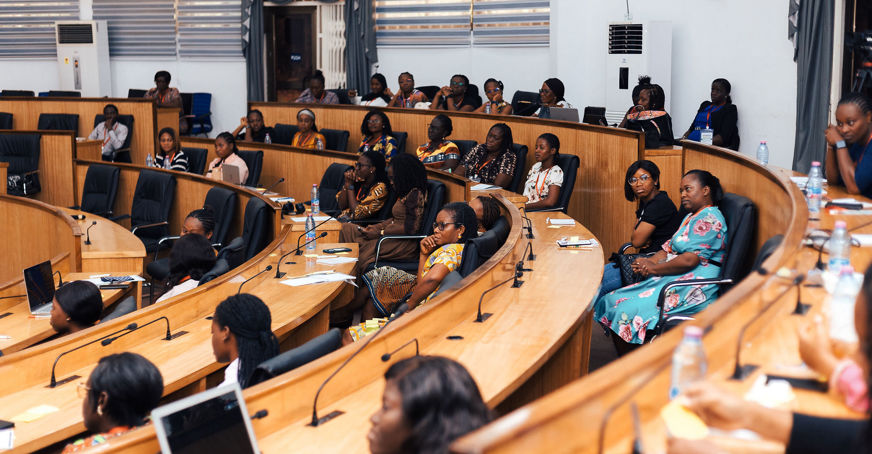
x=511 y=22
x=210 y=28
x=140 y=28
x=419 y=23
x=27 y=27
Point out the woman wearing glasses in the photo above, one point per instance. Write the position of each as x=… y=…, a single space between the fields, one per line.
x=551 y=95
x=456 y=97
x=656 y=217
x=377 y=135
x=495 y=104
x=365 y=189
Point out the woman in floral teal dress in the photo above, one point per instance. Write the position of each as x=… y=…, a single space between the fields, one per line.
x=696 y=251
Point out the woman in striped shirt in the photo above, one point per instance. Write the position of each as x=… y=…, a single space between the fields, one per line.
x=171 y=155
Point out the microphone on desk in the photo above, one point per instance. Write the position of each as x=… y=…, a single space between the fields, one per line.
x=279 y=274
x=268 y=267
x=801 y=308
x=608 y=413
x=529 y=226
x=60 y=279
x=480 y=318
x=53 y=381
x=88 y=233
x=164 y=318
x=530 y=257
x=519 y=267
x=280 y=180
x=401 y=309
x=741 y=372
x=299 y=251
x=387 y=356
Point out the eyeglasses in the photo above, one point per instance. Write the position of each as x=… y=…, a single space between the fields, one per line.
x=643 y=179
x=374 y=120
x=457 y=84
x=82 y=389
x=358 y=165
x=543 y=91
x=493 y=90
x=442 y=225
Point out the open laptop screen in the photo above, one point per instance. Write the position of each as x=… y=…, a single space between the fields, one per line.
x=39 y=282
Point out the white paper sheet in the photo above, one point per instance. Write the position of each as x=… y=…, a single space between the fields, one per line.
x=281 y=199
x=483 y=187
x=317 y=279
x=7 y=438
x=335 y=260
x=554 y=221
x=303 y=218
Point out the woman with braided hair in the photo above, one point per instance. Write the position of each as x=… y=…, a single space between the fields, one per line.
x=242 y=335
x=848 y=142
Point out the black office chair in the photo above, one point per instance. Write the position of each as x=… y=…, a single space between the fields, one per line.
x=284 y=134
x=401 y=140
x=520 y=176
x=99 y=190
x=18 y=93
x=150 y=209
x=254 y=160
x=478 y=250
x=234 y=252
x=257 y=227
x=296 y=357
x=336 y=139
x=63 y=94
x=465 y=146
x=342 y=94
x=473 y=94
x=136 y=93
x=124 y=307
x=741 y=217
x=435 y=201
x=122 y=154
x=766 y=251
x=58 y=122
x=525 y=103
x=21 y=151
x=568 y=163
x=331 y=182
x=221 y=267
x=5 y=120
x=196 y=159
x=429 y=90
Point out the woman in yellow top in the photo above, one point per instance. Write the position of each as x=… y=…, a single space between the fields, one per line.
x=378 y=135
x=365 y=190
x=308 y=136
x=438 y=152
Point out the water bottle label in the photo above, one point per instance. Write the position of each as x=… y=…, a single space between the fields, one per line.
x=674 y=392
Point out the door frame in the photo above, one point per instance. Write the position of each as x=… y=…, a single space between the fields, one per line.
x=269 y=12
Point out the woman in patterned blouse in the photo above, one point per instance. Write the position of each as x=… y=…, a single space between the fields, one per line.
x=494 y=161
x=365 y=189
x=546 y=177
x=437 y=152
x=495 y=104
x=377 y=135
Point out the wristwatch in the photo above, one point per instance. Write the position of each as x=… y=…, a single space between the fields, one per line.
x=382 y=233
x=841 y=144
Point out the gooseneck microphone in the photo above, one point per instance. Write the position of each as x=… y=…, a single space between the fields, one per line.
x=299 y=251
x=164 y=318
x=529 y=226
x=60 y=279
x=741 y=372
x=387 y=356
x=801 y=308
x=268 y=267
x=480 y=318
x=88 y=233
x=53 y=381
x=280 y=181
x=279 y=274
x=529 y=247
x=608 y=413
x=401 y=309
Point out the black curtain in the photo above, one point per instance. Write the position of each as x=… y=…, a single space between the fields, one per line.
x=252 y=47
x=814 y=57
x=360 y=44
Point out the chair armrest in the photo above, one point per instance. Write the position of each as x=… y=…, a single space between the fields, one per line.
x=624 y=247
x=74 y=207
x=119 y=217
x=146 y=226
x=161 y=241
x=393 y=237
x=662 y=297
x=365 y=221
x=546 y=210
x=217 y=245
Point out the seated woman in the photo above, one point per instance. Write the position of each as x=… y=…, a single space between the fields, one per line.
x=849 y=141
x=695 y=251
x=365 y=190
x=377 y=135
x=166 y=96
x=437 y=152
x=379 y=94
x=170 y=154
x=494 y=161
x=652 y=119
x=644 y=82
x=551 y=95
x=495 y=104
x=407 y=96
x=191 y=257
x=719 y=115
x=487 y=211
x=242 y=336
x=76 y=305
x=800 y=433
x=252 y=129
x=307 y=135
x=112 y=133
x=440 y=254
x=428 y=402
x=118 y=397
x=316 y=94
x=656 y=217
x=225 y=148
x=456 y=97
x=409 y=180
x=542 y=188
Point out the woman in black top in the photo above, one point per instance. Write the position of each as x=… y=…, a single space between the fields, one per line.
x=379 y=90
x=719 y=114
x=651 y=117
x=255 y=130
x=456 y=96
x=656 y=217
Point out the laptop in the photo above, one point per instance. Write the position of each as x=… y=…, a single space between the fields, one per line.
x=559 y=113
x=231 y=174
x=39 y=283
x=595 y=116
x=214 y=421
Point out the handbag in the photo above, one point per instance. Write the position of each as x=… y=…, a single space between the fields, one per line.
x=625 y=262
x=23 y=185
x=388 y=286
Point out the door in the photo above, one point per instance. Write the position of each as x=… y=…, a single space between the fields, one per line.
x=290 y=37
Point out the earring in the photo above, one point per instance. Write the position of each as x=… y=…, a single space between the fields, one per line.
x=100 y=410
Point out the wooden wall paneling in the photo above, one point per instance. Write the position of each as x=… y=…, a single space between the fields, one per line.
x=670 y=163
x=165 y=117
x=57 y=151
x=91 y=150
x=4 y=167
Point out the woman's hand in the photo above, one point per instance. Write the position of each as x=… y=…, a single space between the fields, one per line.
x=243 y=122
x=715 y=406
x=349 y=177
x=644 y=266
x=832 y=134
x=428 y=245
x=684 y=446
x=498 y=98
x=389 y=92
x=814 y=347
x=445 y=91
x=369 y=232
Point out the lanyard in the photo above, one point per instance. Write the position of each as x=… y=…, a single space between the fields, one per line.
x=407 y=101
x=539 y=188
x=485 y=163
x=708 y=114
x=304 y=139
x=106 y=138
x=168 y=160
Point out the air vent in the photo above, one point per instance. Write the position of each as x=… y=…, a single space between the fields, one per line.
x=75 y=34
x=625 y=39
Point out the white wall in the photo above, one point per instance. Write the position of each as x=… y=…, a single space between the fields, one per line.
x=744 y=41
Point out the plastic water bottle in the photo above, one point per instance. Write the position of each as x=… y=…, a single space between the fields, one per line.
x=319 y=144
x=267 y=139
x=840 y=248
x=688 y=361
x=310 y=232
x=842 y=307
x=316 y=204
x=149 y=162
x=763 y=153
x=814 y=190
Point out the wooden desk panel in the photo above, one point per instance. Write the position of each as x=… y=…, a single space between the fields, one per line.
x=56 y=176
x=4 y=167
x=670 y=161
x=113 y=248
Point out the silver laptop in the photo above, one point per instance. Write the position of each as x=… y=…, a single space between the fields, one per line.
x=563 y=113
x=39 y=284
x=214 y=421
x=231 y=174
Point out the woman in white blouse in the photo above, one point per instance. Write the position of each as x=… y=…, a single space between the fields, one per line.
x=542 y=188
x=191 y=257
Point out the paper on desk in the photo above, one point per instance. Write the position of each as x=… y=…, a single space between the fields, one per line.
x=802 y=181
x=335 y=260
x=281 y=199
x=841 y=212
x=7 y=438
x=32 y=414
x=95 y=279
x=303 y=218
x=865 y=239
x=852 y=200
x=554 y=221
x=317 y=279
x=483 y=187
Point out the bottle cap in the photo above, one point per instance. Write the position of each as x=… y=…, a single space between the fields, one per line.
x=693 y=331
x=816 y=163
x=841 y=225
x=847 y=269
x=763 y=142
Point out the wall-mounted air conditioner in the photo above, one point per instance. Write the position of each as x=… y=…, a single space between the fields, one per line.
x=634 y=50
x=83 y=57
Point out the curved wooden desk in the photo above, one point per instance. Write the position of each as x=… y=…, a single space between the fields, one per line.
x=113 y=248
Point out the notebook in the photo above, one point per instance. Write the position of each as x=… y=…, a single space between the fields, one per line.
x=231 y=174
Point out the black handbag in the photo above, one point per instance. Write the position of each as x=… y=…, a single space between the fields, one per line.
x=23 y=185
x=625 y=262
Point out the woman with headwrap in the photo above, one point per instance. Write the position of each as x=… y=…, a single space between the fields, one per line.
x=551 y=95
x=308 y=135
